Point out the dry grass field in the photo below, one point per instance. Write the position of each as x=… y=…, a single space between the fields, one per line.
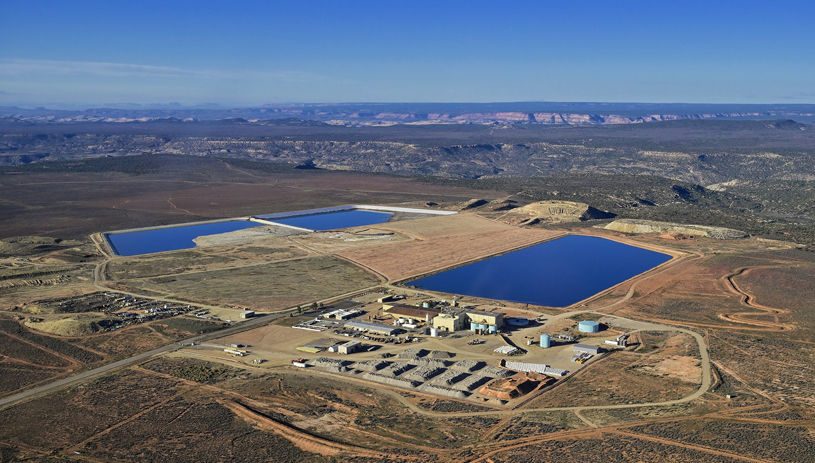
x=177 y=189
x=670 y=371
x=266 y=287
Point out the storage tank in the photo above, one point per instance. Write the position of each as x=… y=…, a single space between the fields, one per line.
x=545 y=341
x=483 y=326
x=434 y=332
x=588 y=327
x=493 y=329
x=474 y=326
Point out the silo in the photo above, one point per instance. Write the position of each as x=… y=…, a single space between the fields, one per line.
x=545 y=341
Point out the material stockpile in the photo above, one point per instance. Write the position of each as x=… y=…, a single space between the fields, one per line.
x=432 y=362
x=441 y=354
x=443 y=391
x=372 y=365
x=471 y=382
x=397 y=369
x=423 y=373
x=412 y=353
x=449 y=377
x=467 y=365
x=326 y=362
x=390 y=380
x=496 y=372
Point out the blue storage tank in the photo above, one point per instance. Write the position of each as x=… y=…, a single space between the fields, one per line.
x=545 y=341
x=588 y=327
x=493 y=329
x=483 y=326
x=473 y=326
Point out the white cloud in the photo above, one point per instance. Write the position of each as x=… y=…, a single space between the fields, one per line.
x=97 y=69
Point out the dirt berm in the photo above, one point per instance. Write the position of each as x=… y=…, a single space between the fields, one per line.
x=80 y=325
x=650 y=226
x=553 y=212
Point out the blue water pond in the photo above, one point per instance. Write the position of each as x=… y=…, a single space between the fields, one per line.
x=170 y=239
x=556 y=273
x=334 y=220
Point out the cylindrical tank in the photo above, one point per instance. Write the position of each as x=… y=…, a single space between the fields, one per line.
x=529 y=342
x=493 y=329
x=483 y=326
x=434 y=332
x=588 y=327
x=474 y=326
x=545 y=341
x=425 y=305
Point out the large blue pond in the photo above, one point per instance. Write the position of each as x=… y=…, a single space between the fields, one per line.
x=170 y=239
x=334 y=220
x=556 y=273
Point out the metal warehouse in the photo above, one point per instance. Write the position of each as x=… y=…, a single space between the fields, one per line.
x=586 y=348
x=373 y=328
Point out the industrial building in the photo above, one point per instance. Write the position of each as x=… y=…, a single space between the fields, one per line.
x=474 y=320
x=371 y=327
x=491 y=319
x=410 y=312
x=450 y=322
x=247 y=314
x=588 y=326
x=349 y=347
x=342 y=314
x=585 y=348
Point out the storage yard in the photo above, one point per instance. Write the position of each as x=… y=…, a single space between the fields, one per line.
x=379 y=342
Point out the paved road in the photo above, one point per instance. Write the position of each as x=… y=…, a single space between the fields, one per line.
x=62 y=383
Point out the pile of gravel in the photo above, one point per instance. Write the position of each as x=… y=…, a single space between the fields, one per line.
x=412 y=353
x=433 y=362
x=372 y=365
x=467 y=365
x=443 y=391
x=472 y=382
x=423 y=373
x=496 y=372
x=390 y=380
x=449 y=377
x=397 y=368
x=326 y=362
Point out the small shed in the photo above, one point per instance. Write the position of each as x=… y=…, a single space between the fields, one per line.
x=349 y=347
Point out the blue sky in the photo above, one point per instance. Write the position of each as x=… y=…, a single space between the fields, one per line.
x=251 y=53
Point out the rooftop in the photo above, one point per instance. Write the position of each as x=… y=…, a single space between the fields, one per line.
x=410 y=311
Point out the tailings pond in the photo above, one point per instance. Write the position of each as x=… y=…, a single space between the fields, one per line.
x=335 y=220
x=556 y=273
x=170 y=238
